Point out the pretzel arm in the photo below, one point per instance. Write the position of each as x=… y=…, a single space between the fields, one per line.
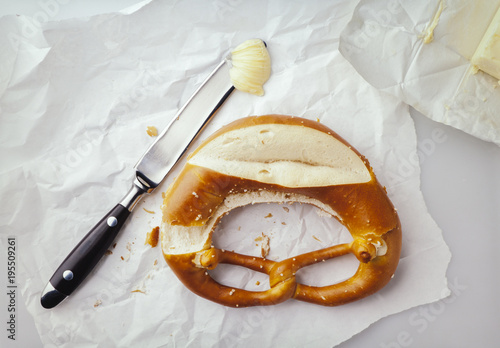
x=368 y=279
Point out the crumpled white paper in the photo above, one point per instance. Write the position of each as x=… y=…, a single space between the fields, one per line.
x=384 y=41
x=76 y=99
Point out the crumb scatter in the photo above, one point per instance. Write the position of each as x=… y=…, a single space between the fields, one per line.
x=153 y=237
x=152 y=131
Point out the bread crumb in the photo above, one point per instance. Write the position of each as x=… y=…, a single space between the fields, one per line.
x=319 y=240
x=97 y=303
x=148 y=211
x=153 y=236
x=268 y=216
x=139 y=290
x=264 y=247
x=108 y=252
x=257 y=283
x=152 y=131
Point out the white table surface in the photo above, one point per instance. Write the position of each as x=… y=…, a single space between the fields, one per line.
x=460 y=181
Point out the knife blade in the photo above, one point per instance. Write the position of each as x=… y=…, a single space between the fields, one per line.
x=160 y=158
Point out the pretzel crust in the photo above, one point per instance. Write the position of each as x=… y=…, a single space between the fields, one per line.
x=363 y=208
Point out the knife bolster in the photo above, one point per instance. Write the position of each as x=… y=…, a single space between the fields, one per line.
x=134 y=194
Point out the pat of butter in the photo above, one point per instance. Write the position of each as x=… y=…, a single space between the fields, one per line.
x=487 y=55
x=251 y=66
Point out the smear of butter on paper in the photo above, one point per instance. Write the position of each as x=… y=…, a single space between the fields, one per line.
x=428 y=34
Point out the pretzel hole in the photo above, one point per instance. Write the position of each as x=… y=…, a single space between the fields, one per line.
x=329 y=272
x=240 y=277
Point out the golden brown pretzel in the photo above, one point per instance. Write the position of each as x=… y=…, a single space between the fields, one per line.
x=278 y=158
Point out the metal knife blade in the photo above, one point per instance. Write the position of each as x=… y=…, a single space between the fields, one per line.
x=164 y=153
x=150 y=170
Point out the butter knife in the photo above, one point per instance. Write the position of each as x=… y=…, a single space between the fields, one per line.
x=150 y=170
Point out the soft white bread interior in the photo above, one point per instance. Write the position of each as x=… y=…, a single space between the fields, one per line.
x=282 y=154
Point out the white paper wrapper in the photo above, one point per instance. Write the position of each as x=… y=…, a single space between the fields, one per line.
x=384 y=41
x=77 y=96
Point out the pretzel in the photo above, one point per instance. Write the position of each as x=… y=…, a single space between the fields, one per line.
x=278 y=159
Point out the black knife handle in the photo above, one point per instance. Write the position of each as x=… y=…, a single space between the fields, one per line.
x=83 y=258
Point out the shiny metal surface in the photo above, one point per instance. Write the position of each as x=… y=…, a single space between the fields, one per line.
x=173 y=142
